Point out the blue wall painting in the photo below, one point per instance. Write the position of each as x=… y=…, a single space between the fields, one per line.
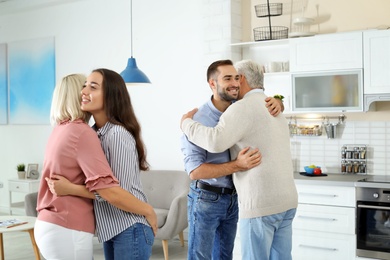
x=31 y=67
x=3 y=84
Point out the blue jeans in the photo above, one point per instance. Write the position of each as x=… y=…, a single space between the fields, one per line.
x=135 y=243
x=267 y=237
x=212 y=224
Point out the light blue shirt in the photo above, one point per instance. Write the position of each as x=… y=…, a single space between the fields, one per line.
x=194 y=155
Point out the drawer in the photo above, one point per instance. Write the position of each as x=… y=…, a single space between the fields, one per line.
x=308 y=245
x=329 y=219
x=326 y=195
x=25 y=187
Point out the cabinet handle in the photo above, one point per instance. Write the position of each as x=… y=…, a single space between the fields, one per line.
x=318 y=218
x=318 y=195
x=373 y=207
x=318 y=247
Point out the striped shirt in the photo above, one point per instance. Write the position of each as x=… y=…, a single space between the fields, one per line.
x=121 y=153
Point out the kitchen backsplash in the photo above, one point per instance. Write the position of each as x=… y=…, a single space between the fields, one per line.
x=320 y=150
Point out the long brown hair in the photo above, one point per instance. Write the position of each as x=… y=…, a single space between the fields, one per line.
x=119 y=110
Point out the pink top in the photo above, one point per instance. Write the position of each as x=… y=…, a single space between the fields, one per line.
x=73 y=151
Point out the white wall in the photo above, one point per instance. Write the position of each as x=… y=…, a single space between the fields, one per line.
x=168 y=45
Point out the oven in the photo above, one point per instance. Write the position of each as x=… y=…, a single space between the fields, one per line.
x=373 y=220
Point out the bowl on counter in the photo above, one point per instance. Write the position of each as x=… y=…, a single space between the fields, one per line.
x=309 y=170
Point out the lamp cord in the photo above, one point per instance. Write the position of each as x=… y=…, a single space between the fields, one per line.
x=131 y=26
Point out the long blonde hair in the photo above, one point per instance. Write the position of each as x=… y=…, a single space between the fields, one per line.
x=65 y=104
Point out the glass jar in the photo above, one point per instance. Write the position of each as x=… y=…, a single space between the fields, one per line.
x=356 y=153
x=349 y=154
x=343 y=167
x=349 y=167
x=343 y=154
x=362 y=167
x=355 y=167
x=362 y=152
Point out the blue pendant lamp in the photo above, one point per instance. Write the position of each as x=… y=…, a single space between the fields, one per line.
x=132 y=74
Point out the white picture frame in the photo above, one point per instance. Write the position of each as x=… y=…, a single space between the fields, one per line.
x=30 y=167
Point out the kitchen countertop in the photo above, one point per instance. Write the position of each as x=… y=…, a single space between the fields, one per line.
x=334 y=179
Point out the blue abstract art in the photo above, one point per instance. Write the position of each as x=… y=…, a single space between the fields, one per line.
x=31 y=70
x=3 y=85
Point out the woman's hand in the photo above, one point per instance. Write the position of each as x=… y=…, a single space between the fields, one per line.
x=59 y=185
x=152 y=220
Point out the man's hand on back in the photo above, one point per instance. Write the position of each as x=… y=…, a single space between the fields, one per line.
x=189 y=114
x=248 y=158
x=274 y=105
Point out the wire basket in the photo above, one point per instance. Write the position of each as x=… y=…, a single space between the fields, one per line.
x=275 y=9
x=270 y=33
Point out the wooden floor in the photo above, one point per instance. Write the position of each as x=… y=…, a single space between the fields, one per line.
x=17 y=246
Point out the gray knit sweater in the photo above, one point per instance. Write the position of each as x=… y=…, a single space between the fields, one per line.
x=268 y=188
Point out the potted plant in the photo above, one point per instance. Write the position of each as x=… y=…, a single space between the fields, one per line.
x=21 y=167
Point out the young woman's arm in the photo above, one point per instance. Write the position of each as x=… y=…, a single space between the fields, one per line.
x=61 y=186
x=116 y=196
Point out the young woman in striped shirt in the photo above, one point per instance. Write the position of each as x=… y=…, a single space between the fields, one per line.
x=125 y=235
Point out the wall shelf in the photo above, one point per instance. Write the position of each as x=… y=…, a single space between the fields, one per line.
x=341 y=118
x=261 y=43
x=315 y=129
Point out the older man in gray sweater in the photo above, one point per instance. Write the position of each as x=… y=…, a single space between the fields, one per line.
x=267 y=193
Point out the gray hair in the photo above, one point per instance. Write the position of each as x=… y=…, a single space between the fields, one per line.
x=253 y=73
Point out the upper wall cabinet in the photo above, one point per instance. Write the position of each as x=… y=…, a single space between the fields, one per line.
x=330 y=91
x=327 y=52
x=376 y=62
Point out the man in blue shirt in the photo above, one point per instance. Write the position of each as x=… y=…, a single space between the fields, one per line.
x=212 y=200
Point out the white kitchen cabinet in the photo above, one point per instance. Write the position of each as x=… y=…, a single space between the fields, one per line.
x=338 y=51
x=265 y=53
x=327 y=195
x=323 y=218
x=324 y=225
x=376 y=61
x=339 y=91
x=309 y=245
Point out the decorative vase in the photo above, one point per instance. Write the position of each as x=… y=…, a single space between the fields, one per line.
x=22 y=175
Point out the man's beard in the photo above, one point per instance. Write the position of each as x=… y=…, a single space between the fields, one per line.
x=225 y=95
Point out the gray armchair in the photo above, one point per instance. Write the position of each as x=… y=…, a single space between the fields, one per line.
x=30 y=204
x=167 y=192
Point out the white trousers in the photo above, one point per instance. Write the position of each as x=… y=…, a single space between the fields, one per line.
x=58 y=243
